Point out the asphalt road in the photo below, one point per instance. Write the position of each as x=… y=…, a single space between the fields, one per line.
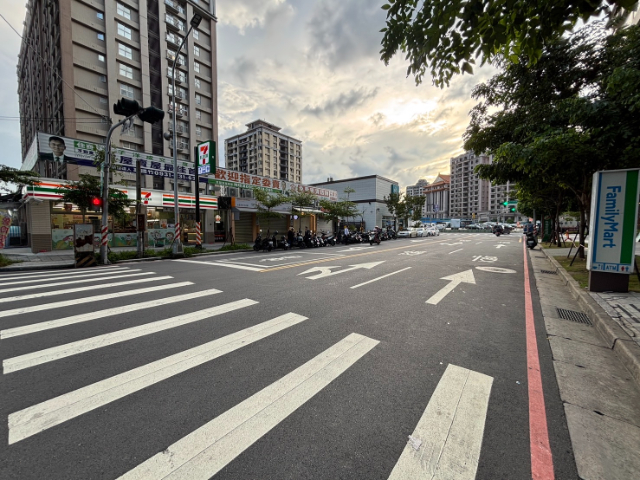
x=357 y=362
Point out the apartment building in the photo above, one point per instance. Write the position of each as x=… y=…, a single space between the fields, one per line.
x=417 y=189
x=499 y=195
x=264 y=150
x=436 y=205
x=79 y=57
x=469 y=194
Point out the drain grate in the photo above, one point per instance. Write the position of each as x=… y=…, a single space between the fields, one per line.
x=549 y=272
x=574 y=316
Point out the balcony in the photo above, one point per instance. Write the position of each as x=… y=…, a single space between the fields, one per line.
x=172 y=55
x=174 y=6
x=182 y=145
x=181 y=77
x=180 y=112
x=173 y=39
x=175 y=23
x=180 y=129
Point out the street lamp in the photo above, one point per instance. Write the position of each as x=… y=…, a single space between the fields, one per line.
x=177 y=244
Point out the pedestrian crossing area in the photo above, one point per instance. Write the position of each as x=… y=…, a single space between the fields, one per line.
x=58 y=307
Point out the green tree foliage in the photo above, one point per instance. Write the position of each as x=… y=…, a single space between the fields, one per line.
x=9 y=175
x=339 y=210
x=87 y=188
x=267 y=201
x=445 y=37
x=553 y=124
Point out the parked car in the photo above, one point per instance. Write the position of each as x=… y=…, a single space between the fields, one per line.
x=473 y=226
x=421 y=232
x=433 y=232
x=407 y=232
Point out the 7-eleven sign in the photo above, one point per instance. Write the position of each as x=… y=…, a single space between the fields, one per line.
x=207 y=157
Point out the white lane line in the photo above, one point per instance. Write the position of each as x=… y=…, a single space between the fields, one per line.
x=47 y=273
x=230 y=265
x=447 y=440
x=28 y=360
x=95 y=298
x=380 y=278
x=40 y=417
x=85 y=274
x=84 y=289
x=455 y=251
x=207 y=450
x=77 y=280
x=108 y=312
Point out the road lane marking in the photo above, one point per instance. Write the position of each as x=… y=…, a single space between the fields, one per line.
x=47 y=355
x=496 y=270
x=77 y=280
x=207 y=450
x=326 y=271
x=95 y=298
x=108 y=312
x=541 y=457
x=40 y=417
x=220 y=264
x=48 y=273
x=454 y=281
x=84 y=289
x=449 y=433
x=456 y=251
x=61 y=276
x=380 y=278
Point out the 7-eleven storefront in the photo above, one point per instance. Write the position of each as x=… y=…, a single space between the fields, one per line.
x=50 y=221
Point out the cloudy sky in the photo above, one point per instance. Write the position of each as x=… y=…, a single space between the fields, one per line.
x=312 y=68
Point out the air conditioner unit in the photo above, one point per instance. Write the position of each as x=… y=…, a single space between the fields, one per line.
x=233 y=192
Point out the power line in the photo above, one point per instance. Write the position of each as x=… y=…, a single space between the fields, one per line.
x=52 y=70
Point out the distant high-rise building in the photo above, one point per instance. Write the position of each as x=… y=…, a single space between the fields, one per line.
x=263 y=150
x=417 y=189
x=80 y=57
x=469 y=197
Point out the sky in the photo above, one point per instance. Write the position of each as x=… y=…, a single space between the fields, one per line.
x=312 y=68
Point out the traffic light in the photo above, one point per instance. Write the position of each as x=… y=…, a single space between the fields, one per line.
x=512 y=209
x=96 y=204
x=505 y=203
x=151 y=115
x=126 y=107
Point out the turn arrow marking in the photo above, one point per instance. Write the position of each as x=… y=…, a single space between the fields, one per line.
x=455 y=280
x=326 y=271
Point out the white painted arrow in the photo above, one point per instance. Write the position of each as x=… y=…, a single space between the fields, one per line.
x=455 y=279
x=457 y=243
x=326 y=271
x=500 y=246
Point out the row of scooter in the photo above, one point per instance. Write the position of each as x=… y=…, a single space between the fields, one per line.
x=375 y=236
x=309 y=240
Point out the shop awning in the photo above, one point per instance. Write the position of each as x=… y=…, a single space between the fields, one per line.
x=307 y=210
x=244 y=209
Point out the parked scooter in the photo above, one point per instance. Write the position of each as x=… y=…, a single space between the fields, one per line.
x=283 y=243
x=328 y=239
x=375 y=237
x=532 y=241
x=257 y=246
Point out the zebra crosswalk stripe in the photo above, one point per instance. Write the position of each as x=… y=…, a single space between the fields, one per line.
x=74 y=348
x=60 y=276
x=76 y=280
x=207 y=450
x=45 y=273
x=108 y=312
x=95 y=298
x=84 y=289
x=447 y=439
x=40 y=417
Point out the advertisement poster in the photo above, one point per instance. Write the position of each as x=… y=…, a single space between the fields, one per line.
x=83 y=237
x=162 y=237
x=5 y=223
x=62 y=239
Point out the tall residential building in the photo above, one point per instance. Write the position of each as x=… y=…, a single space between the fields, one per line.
x=469 y=198
x=79 y=57
x=263 y=150
x=436 y=203
x=499 y=195
x=417 y=189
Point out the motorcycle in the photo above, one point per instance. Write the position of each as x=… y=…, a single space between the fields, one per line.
x=328 y=239
x=257 y=246
x=300 y=240
x=375 y=238
x=532 y=241
x=283 y=243
x=498 y=230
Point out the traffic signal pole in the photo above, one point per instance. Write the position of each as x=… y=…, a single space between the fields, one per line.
x=105 y=192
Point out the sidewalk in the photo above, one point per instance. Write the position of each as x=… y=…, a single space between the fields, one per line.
x=597 y=367
x=59 y=259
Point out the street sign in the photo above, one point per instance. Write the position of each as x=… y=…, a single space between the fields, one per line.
x=614 y=211
x=207 y=157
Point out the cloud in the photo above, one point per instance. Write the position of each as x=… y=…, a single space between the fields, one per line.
x=342 y=103
x=246 y=14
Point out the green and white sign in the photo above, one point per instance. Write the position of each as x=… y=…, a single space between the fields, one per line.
x=207 y=157
x=614 y=212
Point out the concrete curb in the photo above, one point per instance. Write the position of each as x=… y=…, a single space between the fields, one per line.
x=613 y=334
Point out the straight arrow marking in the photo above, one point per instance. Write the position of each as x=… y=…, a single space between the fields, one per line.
x=455 y=280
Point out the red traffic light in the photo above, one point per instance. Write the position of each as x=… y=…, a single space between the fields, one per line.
x=96 y=203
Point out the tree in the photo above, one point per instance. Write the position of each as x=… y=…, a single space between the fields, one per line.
x=82 y=192
x=555 y=123
x=266 y=203
x=337 y=210
x=10 y=175
x=447 y=36
x=300 y=200
x=414 y=206
x=349 y=190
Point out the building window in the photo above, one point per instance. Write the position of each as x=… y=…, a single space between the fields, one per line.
x=126 y=90
x=198 y=131
x=126 y=71
x=101 y=36
x=100 y=15
x=124 y=11
x=197 y=82
x=125 y=51
x=103 y=78
x=103 y=100
x=198 y=99
x=196 y=34
x=124 y=31
x=101 y=58
x=196 y=66
x=196 y=50
x=198 y=114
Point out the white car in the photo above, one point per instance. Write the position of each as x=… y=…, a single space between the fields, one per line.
x=408 y=232
x=433 y=232
x=422 y=232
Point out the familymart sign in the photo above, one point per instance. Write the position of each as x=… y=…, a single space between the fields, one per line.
x=614 y=213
